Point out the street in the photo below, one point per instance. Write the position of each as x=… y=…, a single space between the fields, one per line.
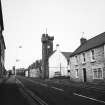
x=28 y=91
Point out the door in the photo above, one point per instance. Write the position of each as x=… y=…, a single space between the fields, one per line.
x=84 y=74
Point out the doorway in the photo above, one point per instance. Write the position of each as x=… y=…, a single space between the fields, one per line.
x=84 y=74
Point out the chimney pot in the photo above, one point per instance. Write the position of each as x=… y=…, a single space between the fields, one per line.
x=83 y=40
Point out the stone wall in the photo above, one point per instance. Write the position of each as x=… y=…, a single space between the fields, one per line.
x=77 y=63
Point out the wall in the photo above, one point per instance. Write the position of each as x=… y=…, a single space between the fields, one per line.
x=99 y=62
x=57 y=63
x=34 y=73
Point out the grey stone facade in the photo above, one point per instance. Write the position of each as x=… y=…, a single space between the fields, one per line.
x=88 y=65
x=76 y=63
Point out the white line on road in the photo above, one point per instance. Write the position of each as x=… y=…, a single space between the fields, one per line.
x=35 y=97
x=58 y=89
x=43 y=84
x=18 y=81
x=88 y=98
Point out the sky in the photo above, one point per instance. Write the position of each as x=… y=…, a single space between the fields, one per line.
x=26 y=20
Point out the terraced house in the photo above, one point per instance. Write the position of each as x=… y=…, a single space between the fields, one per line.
x=2 y=44
x=87 y=62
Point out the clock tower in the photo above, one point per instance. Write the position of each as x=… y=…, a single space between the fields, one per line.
x=47 y=50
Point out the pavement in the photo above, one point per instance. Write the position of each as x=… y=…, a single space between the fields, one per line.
x=12 y=94
x=1 y=80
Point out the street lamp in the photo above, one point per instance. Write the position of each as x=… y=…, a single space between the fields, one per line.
x=17 y=60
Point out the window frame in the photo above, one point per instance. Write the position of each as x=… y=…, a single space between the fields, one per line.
x=97 y=73
x=83 y=57
x=76 y=73
x=76 y=60
x=92 y=55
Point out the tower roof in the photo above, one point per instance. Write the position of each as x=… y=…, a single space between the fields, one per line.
x=1 y=17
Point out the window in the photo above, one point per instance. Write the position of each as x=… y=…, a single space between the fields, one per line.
x=76 y=60
x=84 y=59
x=97 y=73
x=92 y=55
x=83 y=56
x=76 y=73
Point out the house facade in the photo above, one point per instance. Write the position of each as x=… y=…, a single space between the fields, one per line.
x=27 y=73
x=59 y=63
x=34 y=70
x=2 y=45
x=87 y=62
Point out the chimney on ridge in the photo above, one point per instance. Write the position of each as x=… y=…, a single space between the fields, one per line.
x=83 y=40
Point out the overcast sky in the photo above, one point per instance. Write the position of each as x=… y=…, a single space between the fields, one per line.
x=26 y=20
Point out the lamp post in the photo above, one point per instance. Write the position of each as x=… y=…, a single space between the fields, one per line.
x=17 y=60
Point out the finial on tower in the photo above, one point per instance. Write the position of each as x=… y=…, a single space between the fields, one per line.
x=46 y=30
x=83 y=34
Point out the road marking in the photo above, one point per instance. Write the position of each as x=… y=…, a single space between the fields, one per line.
x=43 y=84
x=58 y=89
x=35 y=97
x=88 y=98
x=18 y=81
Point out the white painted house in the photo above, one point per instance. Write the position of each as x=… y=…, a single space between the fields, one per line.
x=59 y=63
x=34 y=73
x=26 y=73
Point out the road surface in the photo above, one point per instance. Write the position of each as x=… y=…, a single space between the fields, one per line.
x=27 y=91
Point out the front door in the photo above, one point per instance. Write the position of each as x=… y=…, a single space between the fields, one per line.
x=84 y=74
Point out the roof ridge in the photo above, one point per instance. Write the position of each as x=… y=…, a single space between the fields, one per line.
x=94 y=42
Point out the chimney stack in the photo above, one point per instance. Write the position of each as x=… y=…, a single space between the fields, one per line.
x=57 y=47
x=83 y=40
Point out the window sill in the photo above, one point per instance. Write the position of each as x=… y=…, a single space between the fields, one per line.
x=83 y=63
x=92 y=61
x=97 y=78
x=76 y=77
x=76 y=64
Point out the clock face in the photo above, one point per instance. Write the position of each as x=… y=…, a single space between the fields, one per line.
x=48 y=46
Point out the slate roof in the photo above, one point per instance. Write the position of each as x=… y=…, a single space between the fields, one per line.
x=66 y=54
x=90 y=44
x=1 y=17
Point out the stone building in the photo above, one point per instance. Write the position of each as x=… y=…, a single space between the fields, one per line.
x=34 y=70
x=2 y=44
x=87 y=62
x=47 y=50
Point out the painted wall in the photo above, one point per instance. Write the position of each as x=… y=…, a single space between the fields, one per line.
x=57 y=63
x=34 y=73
